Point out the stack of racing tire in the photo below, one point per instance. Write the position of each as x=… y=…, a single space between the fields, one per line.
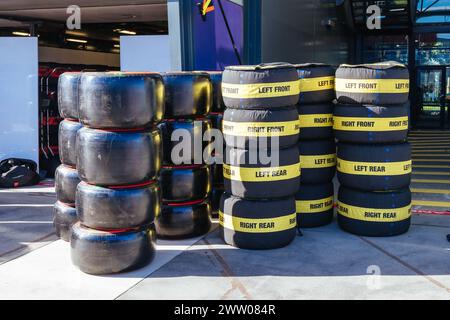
x=216 y=117
x=66 y=174
x=118 y=160
x=261 y=167
x=185 y=177
x=317 y=147
x=373 y=156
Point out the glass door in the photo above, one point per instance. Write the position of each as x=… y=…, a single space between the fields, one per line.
x=431 y=92
x=447 y=95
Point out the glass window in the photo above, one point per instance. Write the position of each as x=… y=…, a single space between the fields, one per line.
x=433 y=49
x=448 y=84
x=385 y=47
x=434 y=19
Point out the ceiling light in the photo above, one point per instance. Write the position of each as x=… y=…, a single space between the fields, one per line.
x=76 y=33
x=117 y=46
x=76 y=40
x=20 y=33
x=125 y=31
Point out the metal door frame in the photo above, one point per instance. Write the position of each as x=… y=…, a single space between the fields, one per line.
x=443 y=69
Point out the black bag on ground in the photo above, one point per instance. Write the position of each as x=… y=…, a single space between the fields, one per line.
x=15 y=172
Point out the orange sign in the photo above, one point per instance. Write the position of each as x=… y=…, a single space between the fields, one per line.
x=207 y=7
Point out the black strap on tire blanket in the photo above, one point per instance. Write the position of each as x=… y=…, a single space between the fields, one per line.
x=260 y=128
x=378 y=83
x=316 y=82
x=376 y=214
x=374 y=167
x=315 y=121
x=317 y=161
x=370 y=124
x=257 y=224
x=270 y=85
x=314 y=205
x=248 y=175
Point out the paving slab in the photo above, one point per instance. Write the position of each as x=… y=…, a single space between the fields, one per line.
x=48 y=273
x=26 y=219
x=326 y=263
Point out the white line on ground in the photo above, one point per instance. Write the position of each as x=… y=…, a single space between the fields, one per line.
x=27 y=205
x=26 y=222
x=29 y=190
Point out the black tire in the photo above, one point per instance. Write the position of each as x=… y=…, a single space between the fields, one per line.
x=185 y=183
x=258 y=224
x=370 y=124
x=68 y=94
x=66 y=181
x=103 y=252
x=108 y=158
x=260 y=128
x=314 y=205
x=374 y=167
x=184 y=220
x=263 y=86
x=121 y=100
x=216 y=120
x=316 y=82
x=67 y=137
x=194 y=131
x=317 y=161
x=374 y=214
x=316 y=121
x=64 y=217
x=377 y=84
x=49 y=165
x=122 y=208
x=217 y=175
x=188 y=94
x=216 y=194
x=217 y=101
x=261 y=180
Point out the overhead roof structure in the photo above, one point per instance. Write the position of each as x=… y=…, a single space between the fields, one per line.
x=102 y=21
x=433 y=11
x=93 y=11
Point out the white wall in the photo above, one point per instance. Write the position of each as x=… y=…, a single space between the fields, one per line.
x=145 y=53
x=58 y=55
x=19 y=98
